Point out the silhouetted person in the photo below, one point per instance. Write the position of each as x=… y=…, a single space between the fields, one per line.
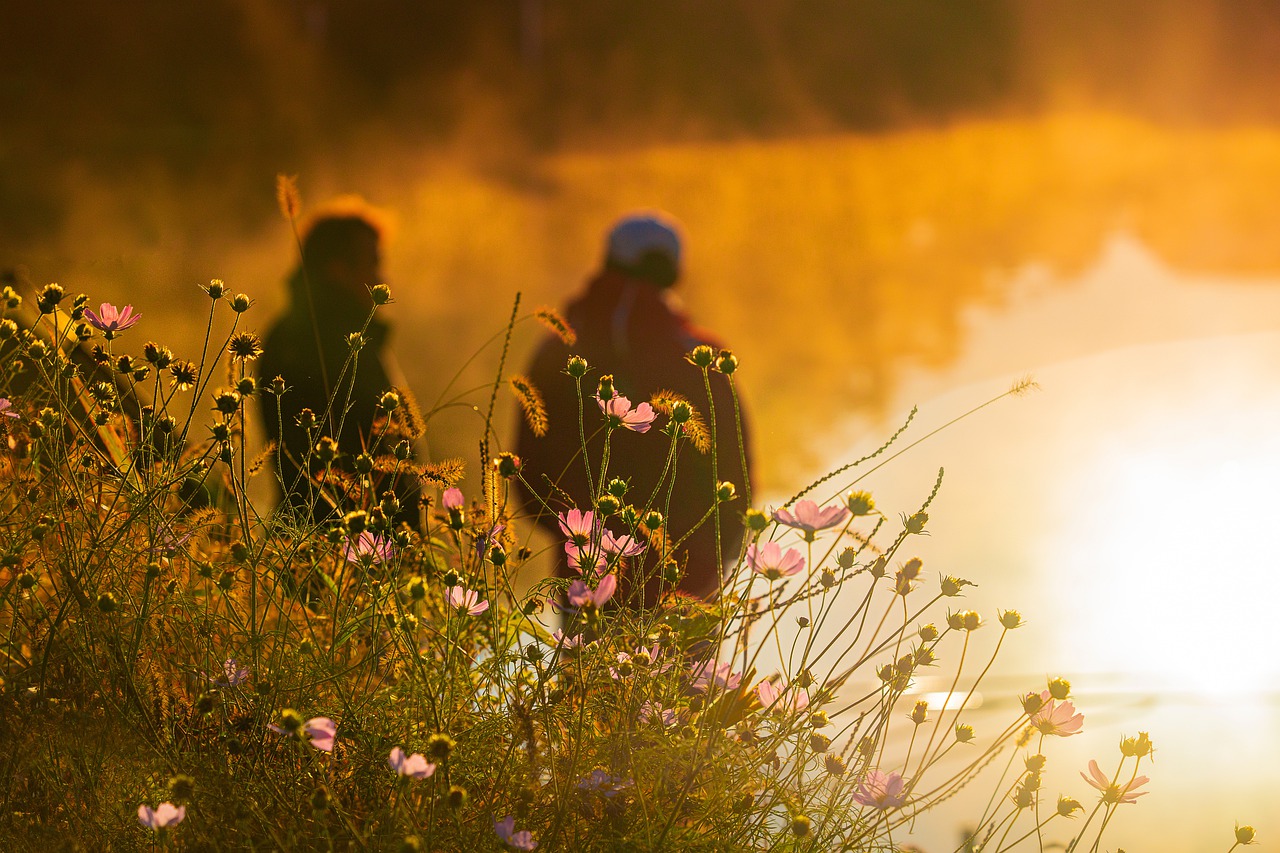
x=330 y=298
x=629 y=326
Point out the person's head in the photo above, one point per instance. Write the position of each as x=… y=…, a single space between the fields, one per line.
x=344 y=252
x=645 y=246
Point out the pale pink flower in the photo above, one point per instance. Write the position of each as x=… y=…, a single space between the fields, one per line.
x=506 y=830
x=414 y=766
x=619 y=413
x=163 y=816
x=566 y=642
x=580 y=595
x=452 y=498
x=1058 y=719
x=465 y=599
x=711 y=673
x=781 y=699
x=577 y=525
x=1112 y=794
x=583 y=559
x=881 y=790
x=110 y=319
x=317 y=731
x=809 y=518
x=232 y=675
x=6 y=409
x=651 y=711
x=623 y=657
x=368 y=548
x=625 y=545
x=769 y=560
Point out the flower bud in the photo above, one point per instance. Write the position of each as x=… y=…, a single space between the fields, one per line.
x=507 y=464
x=1136 y=747
x=605 y=390
x=439 y=747
x=653 y=519
x=1036 y=763
x=755 y=520
x=355 y=522
x=827 y=579
x=860 y=503
x=417 y=589
x=319 y=800
x=456 y=798
x=725 y=491
x=226 y=401
x=215 y=288
x=834 y=764
x=701 y=356
x=1010 y=619
x=306 y=419
x=181 y=788
x=804 y=680
x=389 y=401
x=972 y=621
x=608 y=505
x=1244 y=834
x=1068 y=805
x=964 y=732
x=381 y=294
x=277 y=387
x=800 y=826
x=49 y=298
x=240 y=303
x=106 y=602
x=726 y=362
x=819 y=742
x=920 y=713
x=802 y=621
x=928 y=632
x=1059 y=688
x=290 y=720
x=1031 y=703
x=915 y=524
x=951 y=586
x=681 y=412
x=326 y=450
x=577 y=367
x=955 y=621
x=878 y=568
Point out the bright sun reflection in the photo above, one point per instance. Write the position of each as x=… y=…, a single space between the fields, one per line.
x=1167 y=555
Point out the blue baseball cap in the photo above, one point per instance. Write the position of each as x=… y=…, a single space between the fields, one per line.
x=637 y=235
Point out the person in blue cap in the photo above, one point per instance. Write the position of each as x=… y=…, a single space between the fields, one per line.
x=630 y=326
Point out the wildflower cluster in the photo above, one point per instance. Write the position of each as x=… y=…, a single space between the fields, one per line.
x=386 y=677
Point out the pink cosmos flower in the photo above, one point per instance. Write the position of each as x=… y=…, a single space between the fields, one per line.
x=1127 y=793
x=781 y=699
x=317 y=731
x=566 y=642
x=619 y=413
x=1058 y=719
x=580 y=595
x=583 y=559
x=809 y=519
x=232 y=675
x=720 y=674
x=414 y=766
x=6 y=409
x=506 y=830
x=163 y=816
x=651 y=711
x=110 y=319
x=577 y=525
x=465 y=599
x=769 y=560
x=882 y=791
x=625 y=545
x=452 y=498
x=368 y=548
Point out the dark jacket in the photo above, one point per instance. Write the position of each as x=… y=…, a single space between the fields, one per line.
x=627 y=328
x=291 y=351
